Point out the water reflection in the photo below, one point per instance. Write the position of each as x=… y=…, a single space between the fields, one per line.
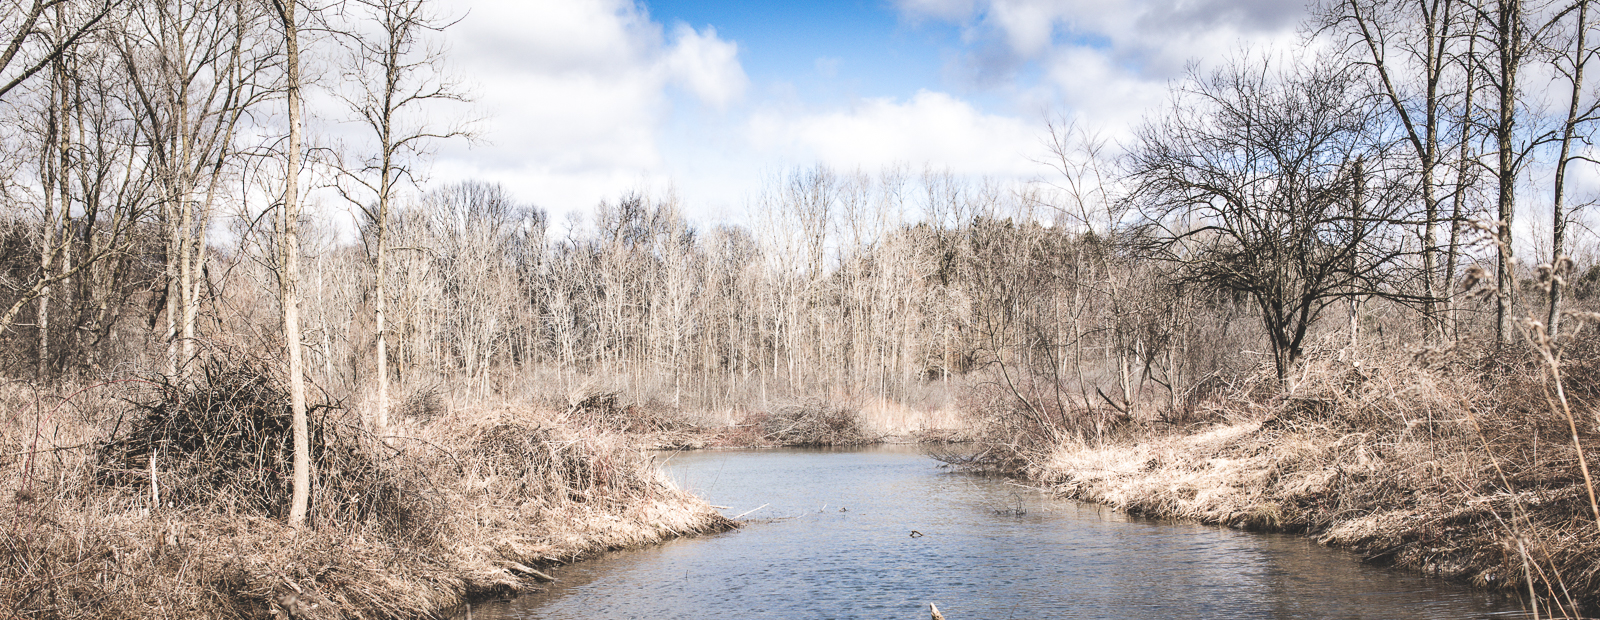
x=835 y=541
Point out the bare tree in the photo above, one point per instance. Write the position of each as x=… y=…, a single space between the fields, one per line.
x=1510 y=42
x=1464 y=171
x=1570 y=61
x=1247 y=182
x=1406 y=46
x=71 y=111
x=397 y=73
x=192 y=65
x=1511 y=47
x=289 y=264
x=30 y=48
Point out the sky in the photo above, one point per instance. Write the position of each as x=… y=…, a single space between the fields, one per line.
x=579 y=101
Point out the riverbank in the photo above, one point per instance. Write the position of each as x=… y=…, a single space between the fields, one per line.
x=459 y=505
x=1464 y=469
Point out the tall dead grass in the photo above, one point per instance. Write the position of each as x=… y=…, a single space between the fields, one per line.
x=1457 y=464
x=467 y=504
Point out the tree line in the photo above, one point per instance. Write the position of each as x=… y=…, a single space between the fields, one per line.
x=159 y=157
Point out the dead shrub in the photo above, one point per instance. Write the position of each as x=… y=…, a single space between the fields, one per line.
x=1016 y=433
x=815 y=423
x=533 y=460
x=607 y=410
x=746 y=431
x=225 y=442
x=422 y=405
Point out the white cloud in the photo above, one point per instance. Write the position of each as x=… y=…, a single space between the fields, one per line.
x=707 y=66
x=1106 y=64
x=931 y=128
x=576 y=93
x=1155 y=30
x=1106 y=55
x=1029 y=27
x=585 y=98
x=1110 y=97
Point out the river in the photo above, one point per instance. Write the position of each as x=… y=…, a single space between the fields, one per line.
x=880 y=533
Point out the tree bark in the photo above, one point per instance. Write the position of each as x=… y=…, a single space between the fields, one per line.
x=1458 y=197
x=289 y=272
x=1508 y=37
x=1558 y=216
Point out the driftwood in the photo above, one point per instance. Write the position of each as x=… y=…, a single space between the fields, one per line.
x=935 y=609
x=530 y=571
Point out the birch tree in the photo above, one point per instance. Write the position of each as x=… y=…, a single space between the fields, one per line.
x=1406 y=48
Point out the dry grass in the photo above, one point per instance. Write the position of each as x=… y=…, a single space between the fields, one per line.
x=455 y=508
x=799 y=423
x=821 y=423
x=1456 y=466
x=889 y=418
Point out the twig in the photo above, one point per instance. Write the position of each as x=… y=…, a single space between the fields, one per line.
x=45 y=451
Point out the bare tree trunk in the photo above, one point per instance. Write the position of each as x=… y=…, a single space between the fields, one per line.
x=289 y=272
x=1358 y=200
x=56 y=235
x=1558 y=228
x=381 y=277
x=53 y=136
x=1463 y=168
x=380 y=262
x=63 y=226
x=1509 y=41
x=170 y=331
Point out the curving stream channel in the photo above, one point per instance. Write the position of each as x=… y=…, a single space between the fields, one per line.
x=834 y=540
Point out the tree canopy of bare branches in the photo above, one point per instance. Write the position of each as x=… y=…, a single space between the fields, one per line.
x=1255 y=181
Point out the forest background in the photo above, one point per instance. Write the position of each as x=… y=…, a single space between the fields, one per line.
x=147 y=167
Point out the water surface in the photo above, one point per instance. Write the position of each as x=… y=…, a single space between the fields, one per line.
x=836 y=540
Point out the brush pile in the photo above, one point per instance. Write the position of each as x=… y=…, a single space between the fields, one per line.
x=814 y=424
x=607 y=409
x=227 y=440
